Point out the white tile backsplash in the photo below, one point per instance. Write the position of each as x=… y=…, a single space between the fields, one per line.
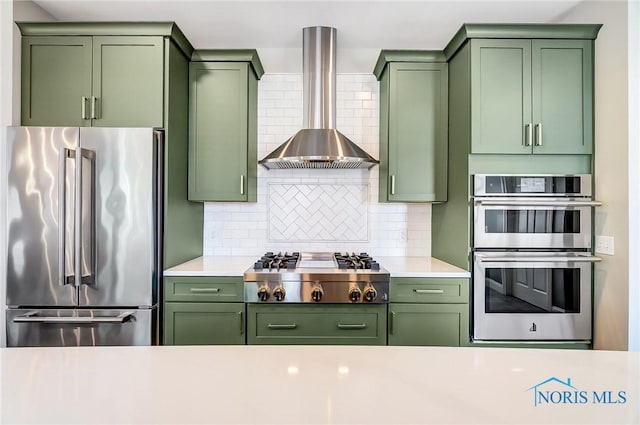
x=381 y=229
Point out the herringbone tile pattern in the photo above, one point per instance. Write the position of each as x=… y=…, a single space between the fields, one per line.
x=318 y=212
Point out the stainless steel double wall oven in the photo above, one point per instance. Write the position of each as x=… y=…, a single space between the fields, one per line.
x=532 y=261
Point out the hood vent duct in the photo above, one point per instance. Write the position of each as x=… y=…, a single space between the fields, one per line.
x=319 y=144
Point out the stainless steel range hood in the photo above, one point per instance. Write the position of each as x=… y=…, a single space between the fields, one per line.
x=319 y=144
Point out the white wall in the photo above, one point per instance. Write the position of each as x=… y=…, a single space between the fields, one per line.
x=322 y=210
x=611 y=287
x=10 y=11
x=634 y=175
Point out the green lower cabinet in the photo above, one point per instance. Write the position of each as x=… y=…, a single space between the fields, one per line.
x=429 y=324
x=317 y=324
x=204 y=323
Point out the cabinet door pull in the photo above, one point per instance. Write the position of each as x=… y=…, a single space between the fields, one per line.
x=392 y=318
x=93 y=107
x=429 y=291
x=84 y=107
x=283 y=326
x=241 y=317
x=203 y=290
x=539 y=134
x=352 y=326
x=393 y=184
x=241 y=184
x=529 y=134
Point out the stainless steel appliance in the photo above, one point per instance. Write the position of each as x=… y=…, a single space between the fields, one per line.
x=532 y=265
x=318 y=144
x=84 y=230
x=316 y=277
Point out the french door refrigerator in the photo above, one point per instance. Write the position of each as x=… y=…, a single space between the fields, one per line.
x=83 y=236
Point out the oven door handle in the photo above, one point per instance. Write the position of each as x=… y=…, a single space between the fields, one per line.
x=536 y=203
x=533 y=259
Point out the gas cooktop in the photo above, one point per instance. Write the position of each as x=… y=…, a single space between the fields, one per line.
x=327 y=277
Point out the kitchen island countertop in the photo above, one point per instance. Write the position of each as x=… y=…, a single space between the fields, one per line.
x=317 y=385
x=237 y=265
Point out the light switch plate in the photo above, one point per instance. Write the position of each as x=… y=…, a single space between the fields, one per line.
x=604 y=245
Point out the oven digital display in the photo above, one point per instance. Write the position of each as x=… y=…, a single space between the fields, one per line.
x=532 y=185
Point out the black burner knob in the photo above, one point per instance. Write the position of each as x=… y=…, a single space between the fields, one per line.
x=354 y=294
x=370 y=293
x=263 y=293
x=279 y=293
x=316 y=293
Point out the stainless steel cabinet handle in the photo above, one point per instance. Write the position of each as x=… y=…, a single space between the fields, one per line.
x=285 y=326
x=84 y=107
x=93 y=107
x=32 y=317
x=241 y=184
x=540 y=203
x=529 y=134
x=352 y=326
x=546 y=259
x=65 y=153
x=539 y=134
x=393 y=184
x=201 y=290
x=429 y=291
x=392 y=318
x=241 y=317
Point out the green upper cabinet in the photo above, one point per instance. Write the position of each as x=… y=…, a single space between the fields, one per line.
x=223 y=125
x=531 y=96
x=127 y=82
x=413 y=126
x=96 y=74
x=56 y=80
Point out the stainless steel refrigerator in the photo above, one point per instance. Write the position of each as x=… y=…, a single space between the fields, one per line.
x=83 y=236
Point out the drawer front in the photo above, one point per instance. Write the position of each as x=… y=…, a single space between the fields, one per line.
x=429 y=324
x=429 y=290
x=204 y=288
x=204 y=323
x=328 y=324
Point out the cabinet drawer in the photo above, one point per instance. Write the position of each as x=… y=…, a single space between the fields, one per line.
x=203 y=323
x=330 y=324
x=203 y=288
x=429 y=290
x=429 y=324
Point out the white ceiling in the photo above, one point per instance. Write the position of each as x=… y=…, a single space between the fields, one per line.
x=275 y=27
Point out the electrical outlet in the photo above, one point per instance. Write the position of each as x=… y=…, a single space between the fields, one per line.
x=604 y=245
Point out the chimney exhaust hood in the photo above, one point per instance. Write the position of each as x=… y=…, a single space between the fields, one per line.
x=318 y=144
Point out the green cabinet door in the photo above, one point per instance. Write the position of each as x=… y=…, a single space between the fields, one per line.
x=56 y=80
x=501 y=96
x=204 y=323
x=429 y=324
x=317 y=324
x=128 y=81
x=562 y=96
x=414 y=146
x=221 y=131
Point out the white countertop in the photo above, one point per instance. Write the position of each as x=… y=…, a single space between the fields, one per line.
x=209 y=265
x=420 y=267
x=313 y=385
x=397 y=266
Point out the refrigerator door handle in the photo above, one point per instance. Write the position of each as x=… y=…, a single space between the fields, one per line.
x=89 y=279
x=63 y=278
x=32 y=317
